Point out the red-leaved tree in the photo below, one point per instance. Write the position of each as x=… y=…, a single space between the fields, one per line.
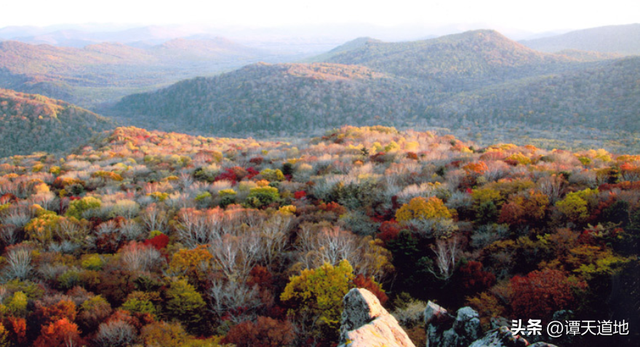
x=540 y=293
x=265 y=332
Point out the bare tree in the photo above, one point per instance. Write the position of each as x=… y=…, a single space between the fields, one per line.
x=274 y=236
x=447 y=251
x=324 y=243
x=18 y=216
x=154 y=218
x=235 y=256
x=45 y=199
x=551 y=186
x=71 y=230
x=139 y=257
x=197 y=227
x=235 y=218
x=192 y=227
x=9 y=234
x=231 y=296
x=130 y=230
x=18 y=263
x=115 y=333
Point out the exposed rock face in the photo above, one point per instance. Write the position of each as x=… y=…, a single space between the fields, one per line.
x=500 y=337
x=365 y=323
x=443 y=330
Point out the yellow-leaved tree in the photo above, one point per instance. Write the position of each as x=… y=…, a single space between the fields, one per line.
x=315 y=298
x=427 y=216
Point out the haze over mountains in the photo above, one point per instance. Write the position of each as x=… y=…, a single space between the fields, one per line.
x=477 y=83
x=479 y=80
x=104 y=72
x=622 y=39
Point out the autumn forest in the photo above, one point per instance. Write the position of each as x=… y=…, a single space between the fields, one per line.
x=197 y=197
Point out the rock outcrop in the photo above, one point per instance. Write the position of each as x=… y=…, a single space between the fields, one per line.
x=445 y=330
x=500 y=337
x=365 y=323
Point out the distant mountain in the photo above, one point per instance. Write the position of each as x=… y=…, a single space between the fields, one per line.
x=81 y=35
x=586 y=56
x=300 y=41
x=105 y=72
x=605 y=97
x=455 y=62
x=11 y=32
x=205 y=49
x=349 y=46
x=30 y=123
x=622 y=39
x=270 y=99
x=479 y=81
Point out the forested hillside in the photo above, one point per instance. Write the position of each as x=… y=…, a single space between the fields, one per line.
x=477 y=83
x=152 y=238
x=104 y=72
x=605 y=97
x=266 y=99
x=30 y=123
x=456 y=62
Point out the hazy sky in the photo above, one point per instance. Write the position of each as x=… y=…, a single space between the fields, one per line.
x=534 y=16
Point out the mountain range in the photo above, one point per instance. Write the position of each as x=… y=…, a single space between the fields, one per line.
x=478 y=84
x=480 y=81
x=621 y=39
x=105 y=72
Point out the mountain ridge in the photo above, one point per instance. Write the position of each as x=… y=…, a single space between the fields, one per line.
x=105 y=72
x=476 y=92
x=31 y=122
x=621 y=39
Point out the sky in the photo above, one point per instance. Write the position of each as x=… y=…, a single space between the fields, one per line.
x=532 y=16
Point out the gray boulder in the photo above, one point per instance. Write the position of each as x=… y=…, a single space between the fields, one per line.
x=445 y=331
x=501 y=337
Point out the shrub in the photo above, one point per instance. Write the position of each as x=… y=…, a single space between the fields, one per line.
x=421 y=208
x=42 y=228
x=77 y=208
x=262 y=196
x=158 y=242
x=93 y=311
x=163 y=334
x=92 y=262
x=136 y=305
x=185 y=304
x=272 y=175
